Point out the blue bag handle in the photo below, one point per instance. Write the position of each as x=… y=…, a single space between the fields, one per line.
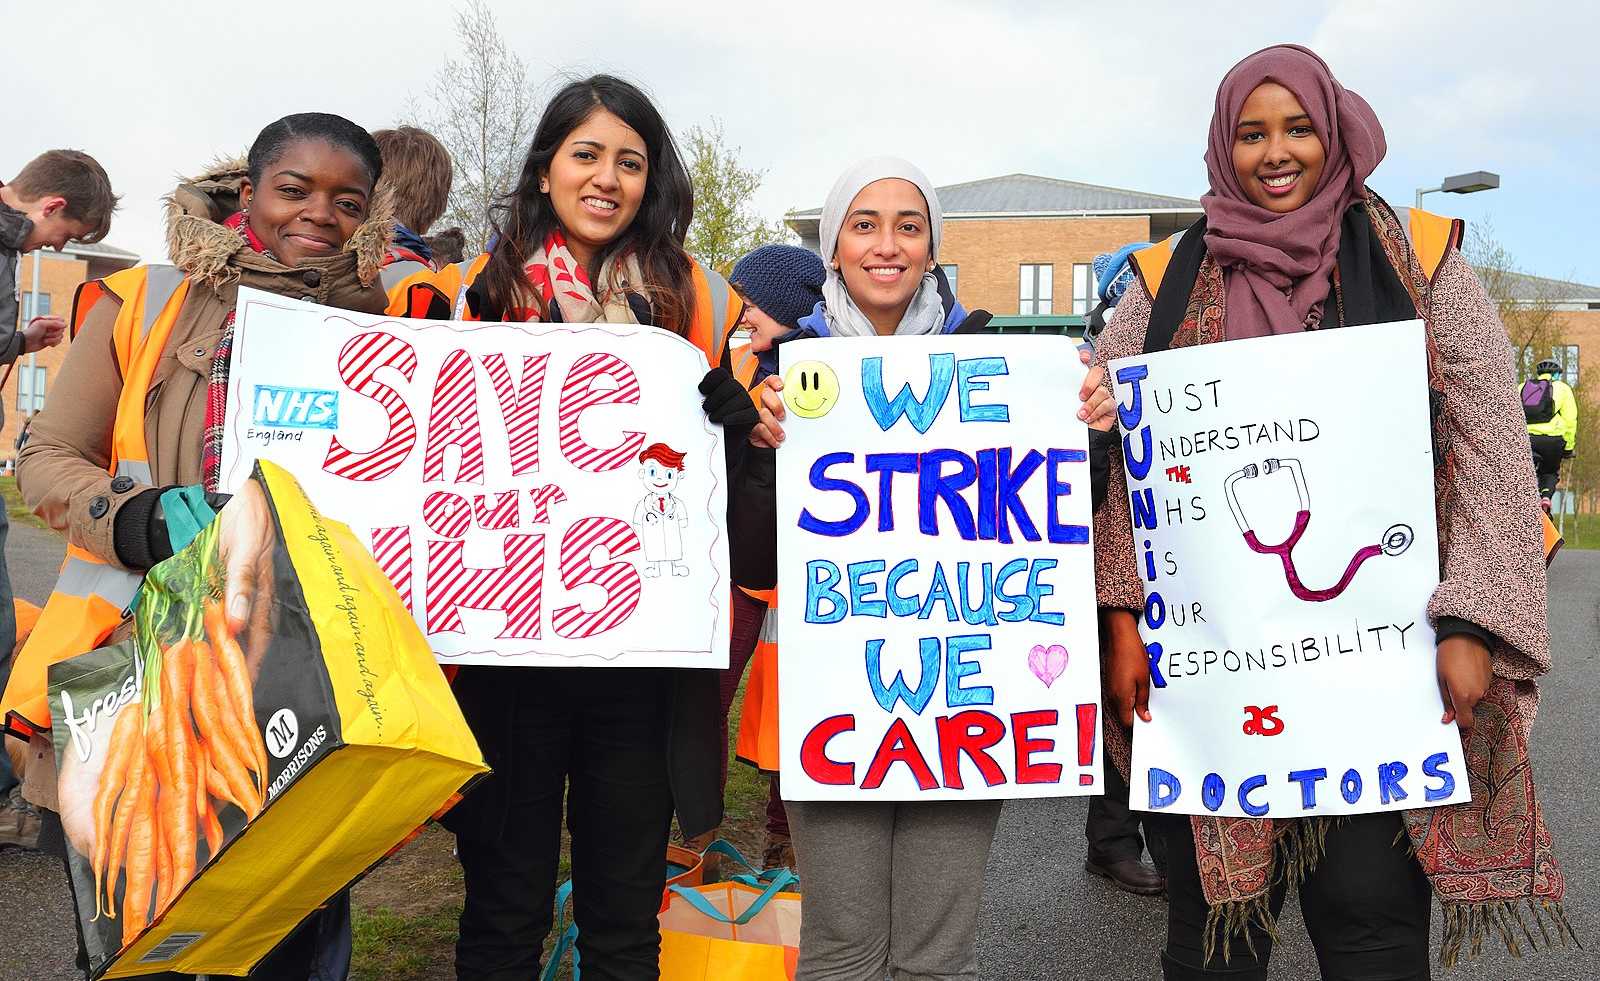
x=781 y=880
x=568 y=941
x=756 y=877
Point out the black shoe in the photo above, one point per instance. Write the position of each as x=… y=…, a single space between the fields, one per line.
x=1130 y=875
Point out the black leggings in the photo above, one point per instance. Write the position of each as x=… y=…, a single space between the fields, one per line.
x=1547 y=454
x=1366 y=907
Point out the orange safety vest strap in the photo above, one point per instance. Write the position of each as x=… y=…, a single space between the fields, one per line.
x=1552 y=540
x=1432 y=237
x=398 y=278
x=462 y=275
x=90 y=594
x=1150 y=264
x=758 y=721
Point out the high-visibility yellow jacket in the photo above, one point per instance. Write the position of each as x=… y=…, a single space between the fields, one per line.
x=1565 y=422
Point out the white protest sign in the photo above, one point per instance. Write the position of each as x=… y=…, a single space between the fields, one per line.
x=539 y=494
x=937 y=635
x=1282 y=504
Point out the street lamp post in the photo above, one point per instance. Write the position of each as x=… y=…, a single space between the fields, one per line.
x=1478 y=180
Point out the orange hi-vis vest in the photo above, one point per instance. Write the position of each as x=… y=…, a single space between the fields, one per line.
x=757 y=742
x=399 y=276
x=91 y=594
x=1432 y=237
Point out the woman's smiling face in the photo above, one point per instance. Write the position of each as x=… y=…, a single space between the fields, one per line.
x=884 y=249
x=597 y=182
x=309 y=202
x=1277 y=156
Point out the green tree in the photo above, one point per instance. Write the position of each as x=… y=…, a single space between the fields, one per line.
x=482 y=107
x=725 y=225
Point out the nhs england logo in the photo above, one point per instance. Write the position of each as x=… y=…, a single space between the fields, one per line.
x=280 y=407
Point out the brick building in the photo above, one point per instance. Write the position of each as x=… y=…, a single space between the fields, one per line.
x=28 y=384
x=1575 y=310
x=1020 y=245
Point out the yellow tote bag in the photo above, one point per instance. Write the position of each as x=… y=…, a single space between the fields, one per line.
x=219 y=784
x=729 y=931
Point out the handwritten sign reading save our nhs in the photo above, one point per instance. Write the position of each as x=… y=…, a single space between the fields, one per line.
x=538 y=494
x=1281 y=492
x=937 y=635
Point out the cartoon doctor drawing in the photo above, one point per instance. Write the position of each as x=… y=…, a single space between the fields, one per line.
x=659 y=517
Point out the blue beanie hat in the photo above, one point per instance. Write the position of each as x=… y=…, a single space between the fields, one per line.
x=785 y=281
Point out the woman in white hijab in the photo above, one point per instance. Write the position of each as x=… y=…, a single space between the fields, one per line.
x=891 y=888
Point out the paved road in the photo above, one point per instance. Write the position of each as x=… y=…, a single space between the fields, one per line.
x=1044 y=918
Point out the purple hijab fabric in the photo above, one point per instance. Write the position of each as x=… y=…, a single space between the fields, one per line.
x=1277 y=267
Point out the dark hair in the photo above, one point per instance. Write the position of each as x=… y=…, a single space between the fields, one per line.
x=77 y=177
x=524 y=217
x=417 y=168
x=338 y=131
x=447 y=246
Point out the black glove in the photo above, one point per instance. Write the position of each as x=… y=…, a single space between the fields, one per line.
x=140 y=532
x=727 y=402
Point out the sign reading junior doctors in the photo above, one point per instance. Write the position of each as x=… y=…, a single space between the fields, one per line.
x=937 y=635
x=1284 y=525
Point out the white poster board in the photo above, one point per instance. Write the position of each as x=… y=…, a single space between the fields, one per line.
x=495 y=471
x=1282 y=504
x=937 y=636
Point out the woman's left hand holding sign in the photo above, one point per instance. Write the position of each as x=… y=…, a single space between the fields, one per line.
x=1464 y=676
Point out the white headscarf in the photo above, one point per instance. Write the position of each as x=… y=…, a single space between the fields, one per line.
x=925 y=315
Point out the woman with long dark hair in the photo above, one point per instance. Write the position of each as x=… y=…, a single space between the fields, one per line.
x=593 y=232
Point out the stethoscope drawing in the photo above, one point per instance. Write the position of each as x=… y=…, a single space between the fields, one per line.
x=1395 y=540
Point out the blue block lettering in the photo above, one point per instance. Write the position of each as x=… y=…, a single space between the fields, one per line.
x=898 y=690
x=1129 y=415
x=821 y=578
x=920 y=413
x=1164 y=788
x=1307 y=779
x=968 y=372
x=822 y=482
x=955 y=669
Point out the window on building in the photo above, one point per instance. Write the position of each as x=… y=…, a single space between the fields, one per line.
x=1082 y=288
x=28 y=302
x=1567 y=355
x=952 y=273
x=31 y=383
x=1037 y=289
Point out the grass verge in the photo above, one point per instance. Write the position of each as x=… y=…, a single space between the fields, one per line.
x=18 y=512
x=406 y=910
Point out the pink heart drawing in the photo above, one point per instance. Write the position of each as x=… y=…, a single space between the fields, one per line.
x=1047 y=663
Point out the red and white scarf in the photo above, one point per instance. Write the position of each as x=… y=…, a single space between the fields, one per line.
x=560 y=279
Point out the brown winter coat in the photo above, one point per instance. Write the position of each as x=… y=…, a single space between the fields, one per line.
x=63 y=469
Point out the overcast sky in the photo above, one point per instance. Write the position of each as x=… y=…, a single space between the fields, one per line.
x=966 y=90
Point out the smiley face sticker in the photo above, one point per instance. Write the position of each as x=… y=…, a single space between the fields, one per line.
x=810 y=389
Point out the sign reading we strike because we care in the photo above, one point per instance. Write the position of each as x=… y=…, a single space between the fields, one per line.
x=1281 y=498
x=539 y=494
x=937 y=635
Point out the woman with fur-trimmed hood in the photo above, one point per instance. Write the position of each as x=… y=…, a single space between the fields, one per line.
x=298 y=218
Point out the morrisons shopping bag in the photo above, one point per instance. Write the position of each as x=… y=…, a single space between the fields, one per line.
x=223 y=776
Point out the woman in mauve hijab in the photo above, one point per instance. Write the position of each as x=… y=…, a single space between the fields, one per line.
x=1293 y=240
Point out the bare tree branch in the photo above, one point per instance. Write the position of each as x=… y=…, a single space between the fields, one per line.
x=483 y=109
